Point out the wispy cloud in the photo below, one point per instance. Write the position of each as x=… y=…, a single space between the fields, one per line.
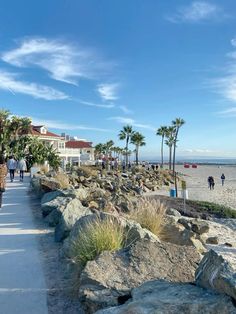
x=58 y=125
x=64 y=62
x=91 y=104
x=197 y=11
x=125 y=120
x=11 y=82
x=125 y=109
x=226 y=83
x=229 y=112
x=108 y=91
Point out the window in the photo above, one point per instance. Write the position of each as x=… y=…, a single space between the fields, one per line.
x=61 y=145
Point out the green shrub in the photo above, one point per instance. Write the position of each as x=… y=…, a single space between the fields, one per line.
x=217 y=210
x=149 y=214
x=96 y=237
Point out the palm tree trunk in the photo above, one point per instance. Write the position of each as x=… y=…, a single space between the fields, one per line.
x=174 y=156
x=170 y=156
x=126 y=148
x=162 y=143
x=136 y=154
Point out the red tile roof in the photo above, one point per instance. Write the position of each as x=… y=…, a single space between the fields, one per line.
x=48 y=134
x=78 y=144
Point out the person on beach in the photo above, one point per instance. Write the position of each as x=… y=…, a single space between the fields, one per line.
x=211 y=183
x=3 y=174
x=11 y=165
x=123 y=165
x=222 y=179
x=22 y=167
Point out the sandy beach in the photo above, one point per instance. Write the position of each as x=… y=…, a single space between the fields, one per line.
x=197 y=185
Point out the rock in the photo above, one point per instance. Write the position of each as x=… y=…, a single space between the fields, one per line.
x=212 y=240
x=113 y=274
x=81 y=193
x=73 y=211
x=186 y=223
x=173 y=212
x=47 y=197
x=176 y=233
x=199 y=226
x=49 y=184
x=218 y=272
x=58 y=203
x=160 y=297
x=93 y=204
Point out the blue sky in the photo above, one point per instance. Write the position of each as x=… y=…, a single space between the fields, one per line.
x=89 y=67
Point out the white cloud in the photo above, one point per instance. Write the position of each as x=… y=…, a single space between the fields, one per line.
x=229 y=112
x=125 y=109
x=233 y=42
x=108 y=91
x=63 y=61
x=197 y=11
x=10 y=82
x=65 y=126
x=125 y=120
x=86 y=103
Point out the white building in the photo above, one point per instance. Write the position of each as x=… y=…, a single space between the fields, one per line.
x=70 y=150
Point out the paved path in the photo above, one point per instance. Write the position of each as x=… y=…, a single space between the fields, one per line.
x=22 y=284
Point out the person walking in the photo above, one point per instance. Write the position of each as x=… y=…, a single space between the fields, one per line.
x=3 y=174
x=211 y=182
x=22 y=167
x=11 y=165
x=222 y=179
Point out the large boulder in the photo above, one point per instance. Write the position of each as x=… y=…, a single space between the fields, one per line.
x=59 y=203
x=178 y=233
x=133 y=230
x=218 y=272
x=73 y=211
x=48 y=197
x=49 y=184
x=110 y=277
x=173 y=298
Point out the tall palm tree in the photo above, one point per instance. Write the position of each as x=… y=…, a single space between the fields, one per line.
x=177 y=124
x=99 y=150
x=162 y=132
x=125 y=134
x=170 y=140
x=138 y=140
x=108 y=148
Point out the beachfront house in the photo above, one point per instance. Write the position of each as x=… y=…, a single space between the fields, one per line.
x=71 y=150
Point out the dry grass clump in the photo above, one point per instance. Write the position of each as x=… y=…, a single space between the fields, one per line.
x=96 y=237
x=149 y=214
x=63 y=179
x=87 y=171
x=44 y=169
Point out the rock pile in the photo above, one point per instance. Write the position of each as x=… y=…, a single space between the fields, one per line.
x=165 y=274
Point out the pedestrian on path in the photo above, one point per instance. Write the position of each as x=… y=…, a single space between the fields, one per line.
x=11 y=165
x=22 y=167
x=3 y=174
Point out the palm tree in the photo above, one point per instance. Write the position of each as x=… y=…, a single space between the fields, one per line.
x=108 y=148
x=99 y=150
x=162 y=132
x=177 y=123
x=170 y=140
x=138 y=140
x=125 y=134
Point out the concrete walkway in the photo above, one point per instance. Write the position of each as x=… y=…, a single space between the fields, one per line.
x=22 y=284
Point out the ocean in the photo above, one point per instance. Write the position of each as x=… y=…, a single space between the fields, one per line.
x=202 y=161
